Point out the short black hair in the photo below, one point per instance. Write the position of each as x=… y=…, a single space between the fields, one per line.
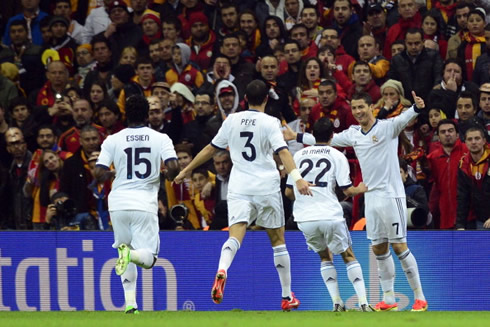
x=19 y=101
x=291 y=41
x=204 y=90
x=363 y=96
x=172 y=20
x=468 y=95
x=137 y=109
x=447 y=121
x=295 y=26
x=201 y=170
x=415 y=30
x=361 y=63
x=19 y=22
x=100 y=38
x=111 y=106
x=403 y=164
x=142 y=60
x=323 y=130
x=233 y=35
x=452 y=61
x=47 y=126
x=256 y=92
x=329 y=82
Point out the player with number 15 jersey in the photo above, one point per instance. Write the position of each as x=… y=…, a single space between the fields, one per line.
x=137 y=154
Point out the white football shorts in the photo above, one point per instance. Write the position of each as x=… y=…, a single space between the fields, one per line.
x=320 y=234
x=138 y=229
x=386 y=219
x=267 y=209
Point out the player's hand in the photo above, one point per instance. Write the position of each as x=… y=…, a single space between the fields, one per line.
x=180 y=177
x=486 y=224
x=304 y=187
x=362 y=188
x=288 y=133
x=419 y=102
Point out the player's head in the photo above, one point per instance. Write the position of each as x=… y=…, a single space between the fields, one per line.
x=323 y=130
x=137 y=108
x=256 y=93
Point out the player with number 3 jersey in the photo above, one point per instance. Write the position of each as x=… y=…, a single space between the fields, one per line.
x=254 y=185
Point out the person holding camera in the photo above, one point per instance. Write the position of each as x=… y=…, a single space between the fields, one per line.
x=136 y=153
x=61 y=213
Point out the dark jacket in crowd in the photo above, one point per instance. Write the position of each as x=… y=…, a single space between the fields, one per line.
x=473 y=191
x=419 y=76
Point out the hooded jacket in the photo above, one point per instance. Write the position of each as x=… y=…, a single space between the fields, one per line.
x=220 y=86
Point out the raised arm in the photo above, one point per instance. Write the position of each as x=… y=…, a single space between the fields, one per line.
x=203 y=156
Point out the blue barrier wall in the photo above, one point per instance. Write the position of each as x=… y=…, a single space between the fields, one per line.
x=74 y=271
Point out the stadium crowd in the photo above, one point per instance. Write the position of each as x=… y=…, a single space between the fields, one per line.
x=68 y=66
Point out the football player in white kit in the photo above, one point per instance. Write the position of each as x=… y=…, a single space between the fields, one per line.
x=137 y=153
x=320 y=217
x=254 y=185
x=375 y=143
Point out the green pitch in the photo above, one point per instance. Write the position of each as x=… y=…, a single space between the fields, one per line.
x=245 y=319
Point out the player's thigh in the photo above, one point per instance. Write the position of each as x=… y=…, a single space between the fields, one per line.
x=270 y=210
x=337 y=236
x=314 y=233
x=121 y=221
x=145 y=231
x=375 y=225
x=240 y=209
x=396 y=220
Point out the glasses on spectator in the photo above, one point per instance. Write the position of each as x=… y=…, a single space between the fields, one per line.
x=16 y=143
x=197 y=103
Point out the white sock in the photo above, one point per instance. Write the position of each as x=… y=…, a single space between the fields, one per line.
x=228 y=251
x=282 y=262
x=143 y=258
x=354 y=272
x=386 y=272
x=329 y=275
x=409 y=265
x=128 y=280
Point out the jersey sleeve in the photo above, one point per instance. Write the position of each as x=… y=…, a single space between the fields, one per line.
x=276 y=138
x=306 y=139
x=401 y=121
x=220 y=140
x=167 y=151
x=342 y=171
x=342 y=139
x=106 y=156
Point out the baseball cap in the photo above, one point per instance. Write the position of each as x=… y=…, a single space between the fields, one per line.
x=374 y=7
x=226 y=90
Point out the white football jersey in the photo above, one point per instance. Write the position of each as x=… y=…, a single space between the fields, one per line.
x=325 y=167
x=252 y=137
x=377 y=151
x=137 y=154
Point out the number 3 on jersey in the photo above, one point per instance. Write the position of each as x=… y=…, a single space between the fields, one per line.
x=248 y=144
x=137 y=161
